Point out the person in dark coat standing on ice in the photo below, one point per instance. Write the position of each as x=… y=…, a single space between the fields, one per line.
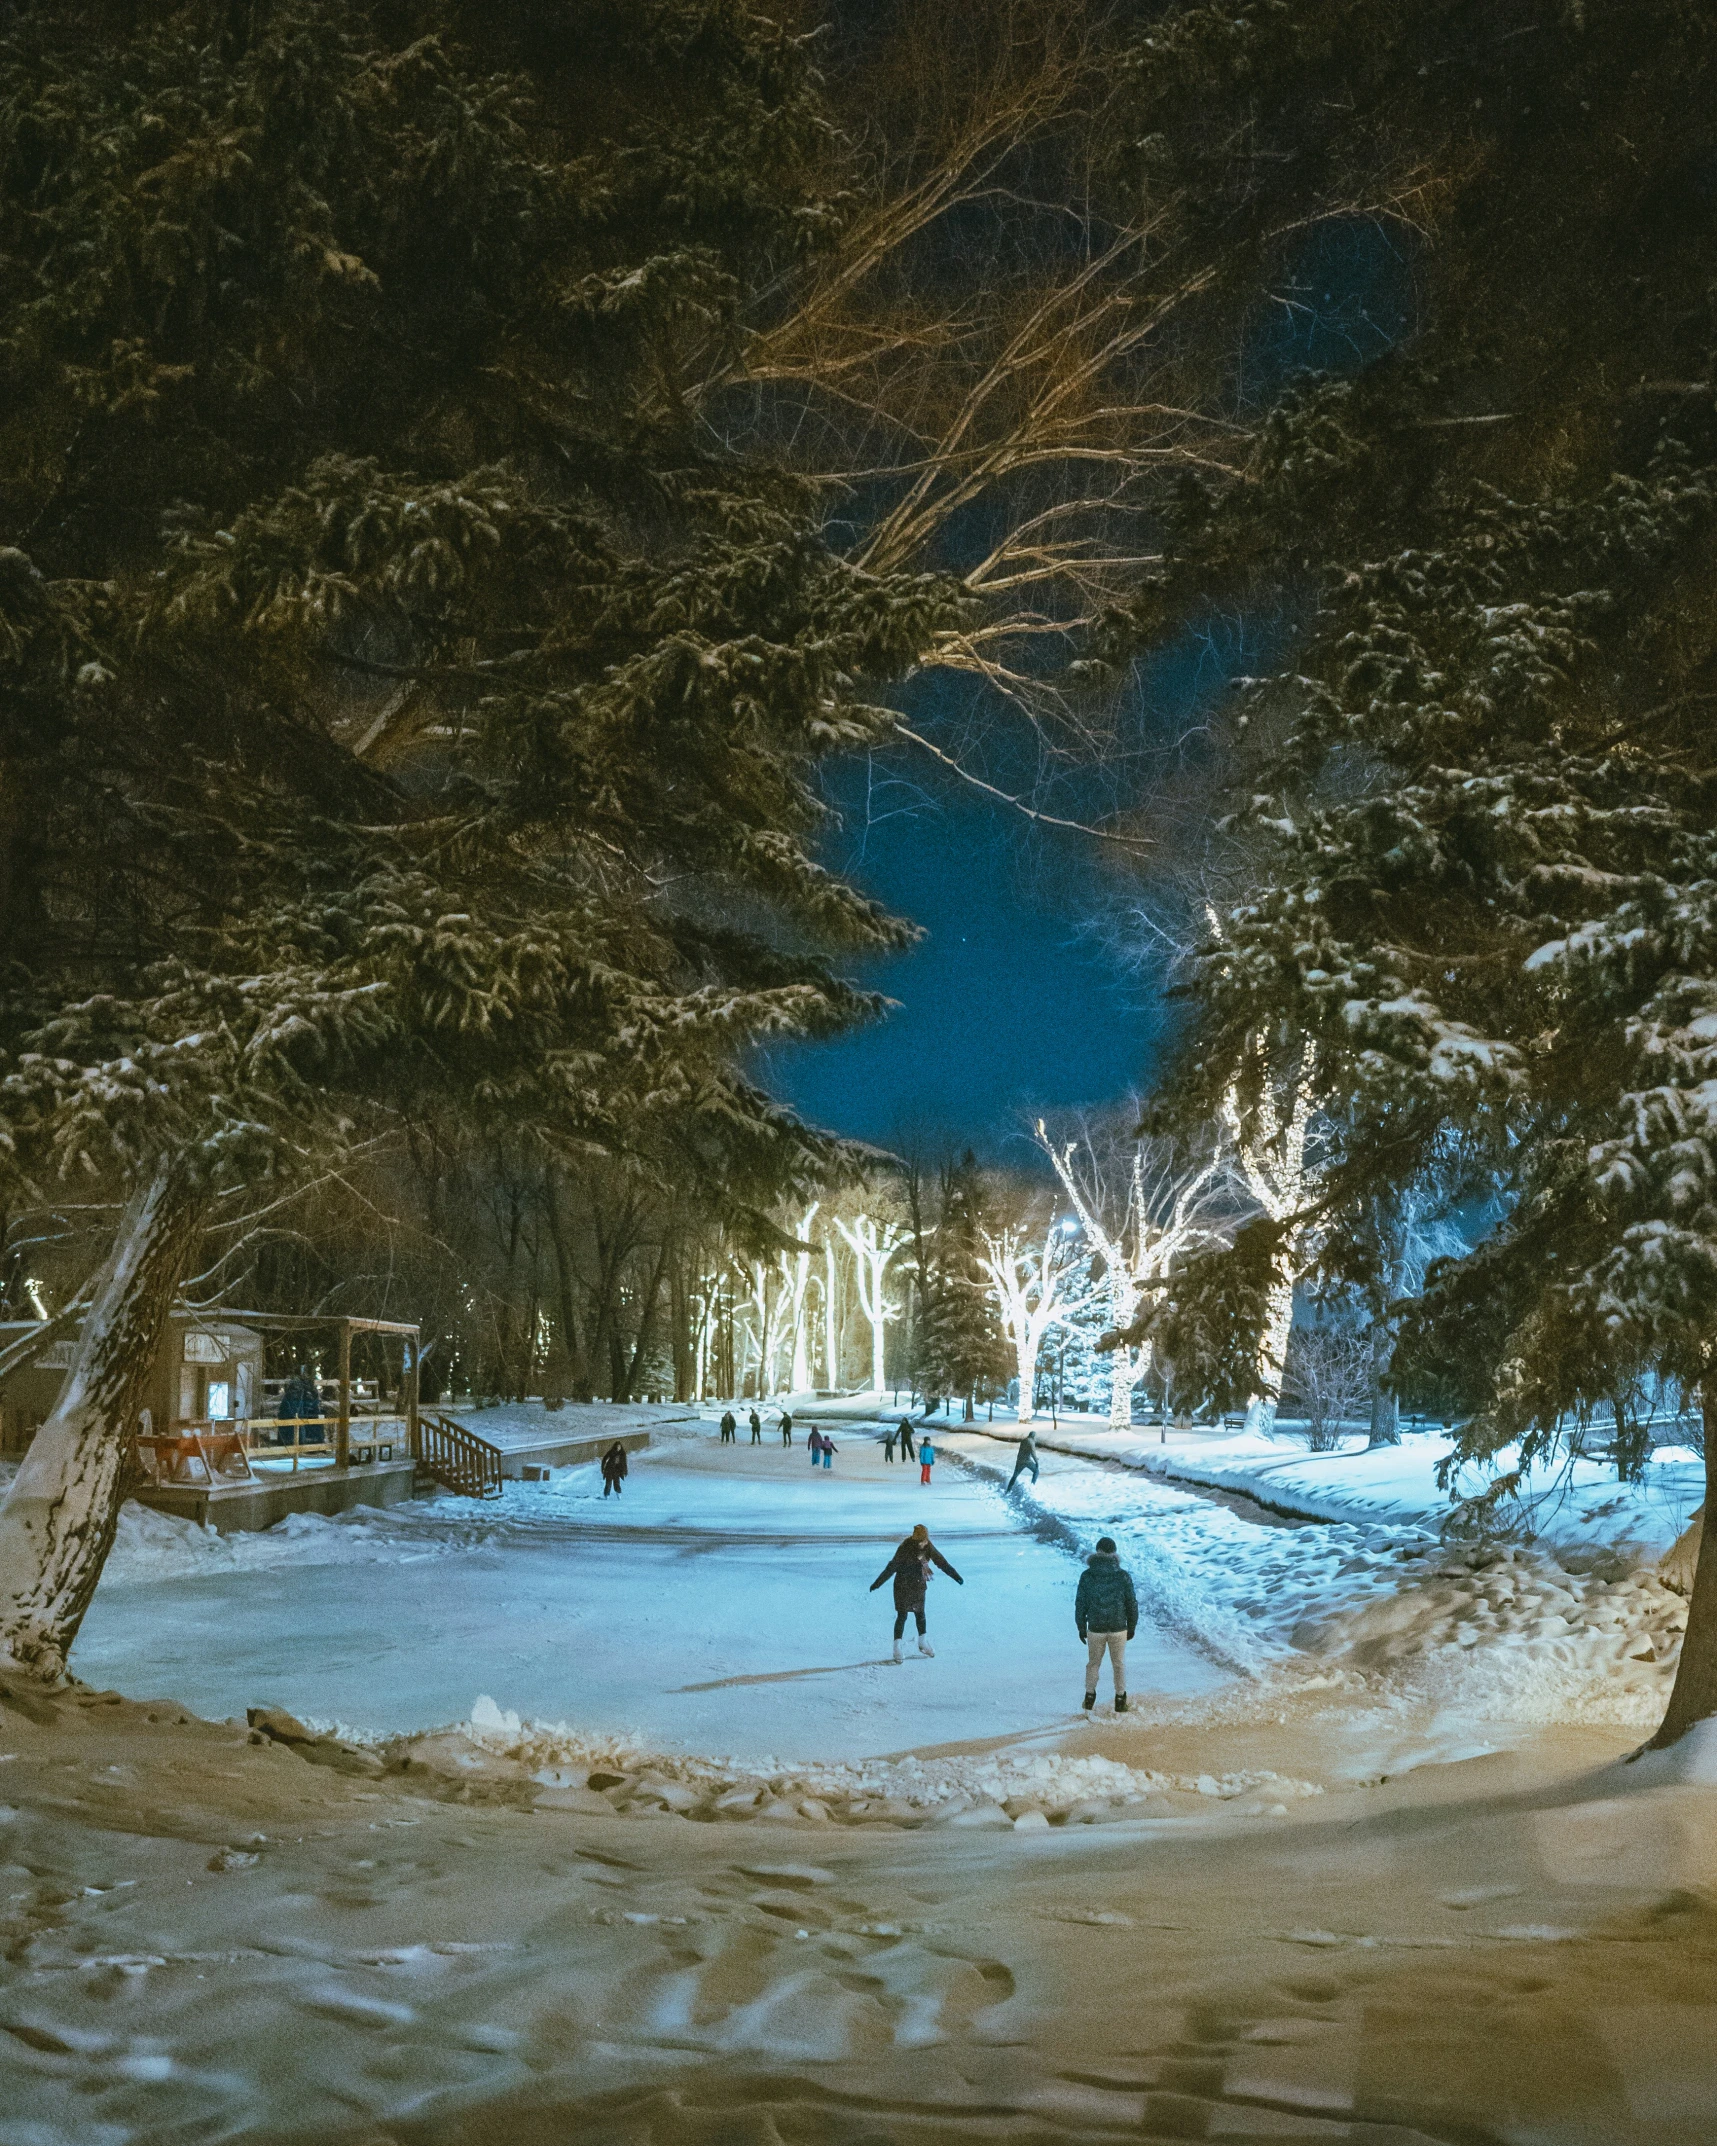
x=1025 y=1457
x=910 y=1568
x=906 y=1438
x=888 y=1444
x=786 y=1428
x=614 y=1469
x=1106 y=1610
x=728 y=1427
x=756 y=1428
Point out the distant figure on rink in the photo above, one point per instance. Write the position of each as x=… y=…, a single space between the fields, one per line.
x=614 y=1469
x=1025 y=1457
x=1106 y=1611
x=906 y=1437
x=926 y=1458
x=756 y=1428
x=910 y=1566
x=786 y=1428
x=888 y=1445
x=728 y=1427
x=814 y=1444
x=830 y=1449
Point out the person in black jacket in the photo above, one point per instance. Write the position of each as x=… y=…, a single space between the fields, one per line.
x=1106 y=1611
x=728 y=1426
x=614 y=1469
x=910 y=1566
x=756 y=1428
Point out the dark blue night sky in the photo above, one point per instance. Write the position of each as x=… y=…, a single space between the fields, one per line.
x=1007 y=1003
x=1012 y=1003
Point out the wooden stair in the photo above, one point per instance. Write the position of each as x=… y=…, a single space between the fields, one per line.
x=456 y=1458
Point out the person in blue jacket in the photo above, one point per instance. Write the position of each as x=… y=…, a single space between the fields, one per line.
x=1106 y=1610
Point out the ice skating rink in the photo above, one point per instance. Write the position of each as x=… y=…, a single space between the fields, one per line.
x=719 y=1604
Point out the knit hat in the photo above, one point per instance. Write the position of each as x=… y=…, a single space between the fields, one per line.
x=1106 y=1542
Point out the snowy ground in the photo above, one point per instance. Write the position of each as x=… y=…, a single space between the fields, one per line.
x=719 y=1605
x=1365 y=1863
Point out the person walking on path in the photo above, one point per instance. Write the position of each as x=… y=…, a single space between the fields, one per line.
x=926 y=1458
x=728 y=1427
x=1025 y=1457
x=910 y=1567
x=756 y=1428
x=614 y=1469
x=786 y=1428
x=1106 y=1610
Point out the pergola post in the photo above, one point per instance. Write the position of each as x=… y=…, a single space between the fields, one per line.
x=414 y=1350
x=343 y=1429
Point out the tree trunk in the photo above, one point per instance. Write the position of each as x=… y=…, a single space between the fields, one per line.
x=634 y=1370
x=1694 y=1698
x=566 y=1278
x=1272 y=1356
x=1026 y=1353
x=1385 y=1406
x=58 y=1518
x=831 y=1318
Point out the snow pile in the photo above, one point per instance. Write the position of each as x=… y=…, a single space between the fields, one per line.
x=497 y=1757
x=1503 y=1631
x=150 y=1546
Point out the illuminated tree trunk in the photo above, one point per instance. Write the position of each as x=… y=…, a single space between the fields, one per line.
x=58 y=1518
x=1026 y=1350
x=1272 y=1356
x=831 y=1318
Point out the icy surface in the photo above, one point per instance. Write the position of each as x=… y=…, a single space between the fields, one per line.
x=719 y=1605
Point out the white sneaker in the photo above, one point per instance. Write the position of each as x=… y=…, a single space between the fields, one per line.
x=897 y=1653
x=924 y=1646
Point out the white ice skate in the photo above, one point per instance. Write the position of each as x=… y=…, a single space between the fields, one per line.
x=897 y=1653
x=924 y=1646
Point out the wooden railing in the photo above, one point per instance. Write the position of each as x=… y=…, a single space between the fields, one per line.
x=457 y=1458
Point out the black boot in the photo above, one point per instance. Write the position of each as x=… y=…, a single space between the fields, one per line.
x=1090 y=1701
x=1120 y=1702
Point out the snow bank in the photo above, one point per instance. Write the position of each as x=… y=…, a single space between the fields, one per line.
x=1500 y=1631
x=496 y=1756
x=1580 y=1510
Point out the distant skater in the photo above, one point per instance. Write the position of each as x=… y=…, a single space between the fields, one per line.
x=1025 y=1457
x=614 y=1469
x=1106 y=1610
x=756 y=1428
x=728 y=1427
x=786 y=1428
x=906 y=1437
x=814 y=1445
x=888 y=1445
x=830 y=1449
x=910 y=1567
x=926 y=1458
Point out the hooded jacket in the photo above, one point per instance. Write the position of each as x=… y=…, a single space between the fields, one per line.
x=1105 y=1601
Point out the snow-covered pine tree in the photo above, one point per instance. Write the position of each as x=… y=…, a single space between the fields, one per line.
x=958 y=1345
x=1477 y=810
x=403 y=699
